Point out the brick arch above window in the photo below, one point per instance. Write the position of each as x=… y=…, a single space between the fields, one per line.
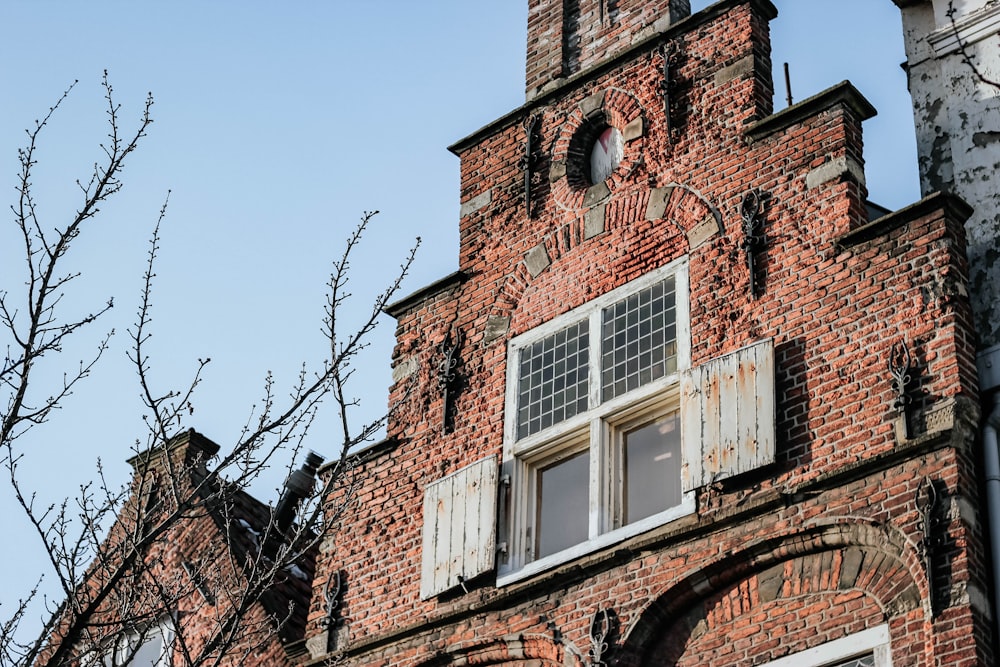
x=681 y=211
x=687 y=209
x=817 y=566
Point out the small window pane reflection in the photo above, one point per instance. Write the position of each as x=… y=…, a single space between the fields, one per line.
x=150 y=651
x=561 y=519
x=865 y=661
x=652 y=454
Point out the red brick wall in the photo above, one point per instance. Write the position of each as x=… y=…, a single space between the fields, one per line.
x=835 y=296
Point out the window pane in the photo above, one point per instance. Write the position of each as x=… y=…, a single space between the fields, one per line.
x=865 y=661
x=561 y=518
x=552 y=370
x=638 y=340
x=652 y=454
x=148 y=655
x=133 y=654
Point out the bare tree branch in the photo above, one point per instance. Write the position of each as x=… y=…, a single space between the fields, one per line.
x=967 y=58
x=112 y=549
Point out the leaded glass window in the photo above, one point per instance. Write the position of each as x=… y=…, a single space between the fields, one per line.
x=864 y=661
x=638 y=340
x=553 y=379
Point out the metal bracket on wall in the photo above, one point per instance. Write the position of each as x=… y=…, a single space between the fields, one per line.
x=754 y=240
x=898 y=364
x=448 y=377
x=333 y=592
x=527 y=160
x=929 y=501
x=503 y=508
x=665 y=52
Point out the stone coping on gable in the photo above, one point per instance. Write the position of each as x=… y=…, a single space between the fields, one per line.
x=398 y=308
x=953 y=206
x=687 y=24
x=842 y=93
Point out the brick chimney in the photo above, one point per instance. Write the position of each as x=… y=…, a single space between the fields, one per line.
x=566 y=37
x=297 y=487
x=186 y=450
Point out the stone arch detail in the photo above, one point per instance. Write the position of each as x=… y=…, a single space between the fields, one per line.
x=688 y=210
x=821 y=560
x=535 y=650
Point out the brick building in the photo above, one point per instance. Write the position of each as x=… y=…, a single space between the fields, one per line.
x=690 y=398
x=165 y=591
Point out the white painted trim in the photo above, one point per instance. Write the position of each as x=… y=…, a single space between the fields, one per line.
x=971 y=28
x=874 y=640
x=686 y=507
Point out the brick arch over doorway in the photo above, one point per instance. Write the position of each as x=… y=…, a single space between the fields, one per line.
x=784 y=595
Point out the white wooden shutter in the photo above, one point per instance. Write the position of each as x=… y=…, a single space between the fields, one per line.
x=459 y=540
x=728 y=415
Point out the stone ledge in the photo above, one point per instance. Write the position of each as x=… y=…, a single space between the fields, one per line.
x=953 y=206
x=397 y=308
x=844 y=93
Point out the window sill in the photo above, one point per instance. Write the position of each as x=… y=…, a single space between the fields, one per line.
x=507 y=576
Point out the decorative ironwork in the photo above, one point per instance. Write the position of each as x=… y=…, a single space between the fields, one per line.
x=333 y=595
x=752 y=212
x=527 y=161
x=930 y=503
x=332 y=591
x=603 y=637
x=602 y=627
x=448 y=377
x=665 y=91
x=899 y=364
x=198 y=579
x=899 y=368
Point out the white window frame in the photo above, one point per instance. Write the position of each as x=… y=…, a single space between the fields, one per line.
x=593 y=429
x=873 y=641
x=118 y=653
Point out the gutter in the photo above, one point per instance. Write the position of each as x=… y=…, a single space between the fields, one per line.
x=991 y=461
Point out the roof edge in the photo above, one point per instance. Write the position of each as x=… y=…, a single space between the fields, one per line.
x=842 y=93
x=398 y=308
x=687 y=24
x=190 y=437
x=952 y=205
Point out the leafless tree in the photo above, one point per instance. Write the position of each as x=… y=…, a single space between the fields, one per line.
x=110 y=548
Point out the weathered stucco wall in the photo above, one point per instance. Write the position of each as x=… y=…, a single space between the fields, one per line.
x=954 y=77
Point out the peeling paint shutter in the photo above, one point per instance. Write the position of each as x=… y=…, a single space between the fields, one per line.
x=728 y=415
x=459 y=527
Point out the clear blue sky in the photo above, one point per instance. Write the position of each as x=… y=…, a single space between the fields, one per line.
x=276 y=125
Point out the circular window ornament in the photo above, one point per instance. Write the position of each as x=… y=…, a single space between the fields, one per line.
x=597 y=150
x=606 y=154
